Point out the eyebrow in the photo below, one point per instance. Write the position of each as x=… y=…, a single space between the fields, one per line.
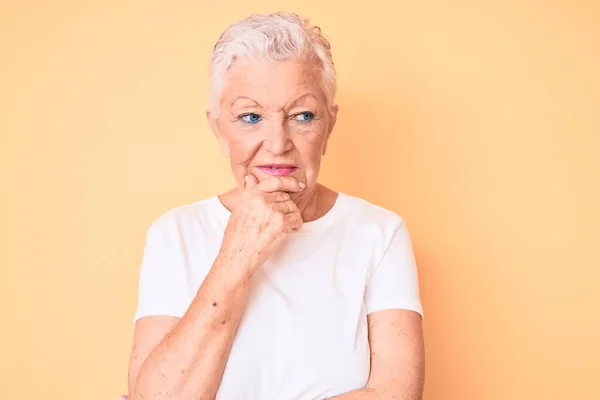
x=302 y=97
x=245 y=98
x=290 y=105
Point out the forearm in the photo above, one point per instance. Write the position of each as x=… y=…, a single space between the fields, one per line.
x=189 y=362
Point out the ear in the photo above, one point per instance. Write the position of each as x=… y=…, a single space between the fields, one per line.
x=333 y=119
x=213 y=121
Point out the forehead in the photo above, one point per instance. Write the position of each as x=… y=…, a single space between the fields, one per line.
x=272 y=84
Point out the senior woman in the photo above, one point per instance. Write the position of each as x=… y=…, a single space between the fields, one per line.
x=280 y=288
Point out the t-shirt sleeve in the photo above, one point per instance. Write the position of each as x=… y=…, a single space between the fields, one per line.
x=162 y=287
x=394 y=283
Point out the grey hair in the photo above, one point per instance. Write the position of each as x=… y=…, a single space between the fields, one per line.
x=275 y=37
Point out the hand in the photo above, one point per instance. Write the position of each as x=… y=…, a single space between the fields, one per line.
x=262 y=219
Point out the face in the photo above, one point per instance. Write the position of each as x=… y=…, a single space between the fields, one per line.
x=274 y=120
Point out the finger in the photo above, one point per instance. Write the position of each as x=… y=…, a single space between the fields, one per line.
x=123 y=397
x=276 y=197
x=292 y=222
x=250 y=181
x=286 y=207
x=280 y=184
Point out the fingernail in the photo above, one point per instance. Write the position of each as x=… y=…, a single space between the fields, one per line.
x=302 y=185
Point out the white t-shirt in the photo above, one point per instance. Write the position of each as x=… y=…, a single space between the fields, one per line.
x=304 y=332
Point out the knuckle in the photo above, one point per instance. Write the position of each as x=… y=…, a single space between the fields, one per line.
x=259 y=201
x=289 y=207
x=278 y=219
x=293 y=206
x=283 y=196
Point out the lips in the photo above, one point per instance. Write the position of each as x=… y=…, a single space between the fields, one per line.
x=277 y=169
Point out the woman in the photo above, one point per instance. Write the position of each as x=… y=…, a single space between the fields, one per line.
x=280 y=288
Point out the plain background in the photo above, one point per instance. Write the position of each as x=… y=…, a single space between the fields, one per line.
x=477 y=121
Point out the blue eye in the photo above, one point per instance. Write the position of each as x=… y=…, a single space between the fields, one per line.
x=251 y=118
x=304 y=117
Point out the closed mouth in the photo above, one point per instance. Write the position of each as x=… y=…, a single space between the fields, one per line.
x=276 y=166
x=277 y=169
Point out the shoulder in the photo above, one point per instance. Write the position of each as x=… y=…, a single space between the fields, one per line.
x=184 y=217
x=363 y=212
x=370 y=225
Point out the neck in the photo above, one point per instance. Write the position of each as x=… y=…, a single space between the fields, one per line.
x=310 y=203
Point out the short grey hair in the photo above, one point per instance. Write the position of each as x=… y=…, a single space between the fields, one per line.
x=275 y=37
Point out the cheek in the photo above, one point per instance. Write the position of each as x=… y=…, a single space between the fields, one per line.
x=242 y=151
x=310 y=153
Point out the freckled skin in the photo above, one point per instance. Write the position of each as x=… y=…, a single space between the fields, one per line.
x=283 y=132
x=291 y=124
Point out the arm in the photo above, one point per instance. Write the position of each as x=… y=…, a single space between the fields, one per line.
x=394 y=314
x=397 y=357
x=185 y=358
x=174 y=358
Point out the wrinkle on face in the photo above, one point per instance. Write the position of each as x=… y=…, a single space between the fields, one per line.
x=279 y=93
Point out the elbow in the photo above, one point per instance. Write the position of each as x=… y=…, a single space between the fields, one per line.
x=140 y=390
x=150 y=388
x=137 y=393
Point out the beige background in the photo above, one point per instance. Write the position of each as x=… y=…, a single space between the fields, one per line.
x=477 y=121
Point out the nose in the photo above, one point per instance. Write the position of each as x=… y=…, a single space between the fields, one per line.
x=278 y=139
